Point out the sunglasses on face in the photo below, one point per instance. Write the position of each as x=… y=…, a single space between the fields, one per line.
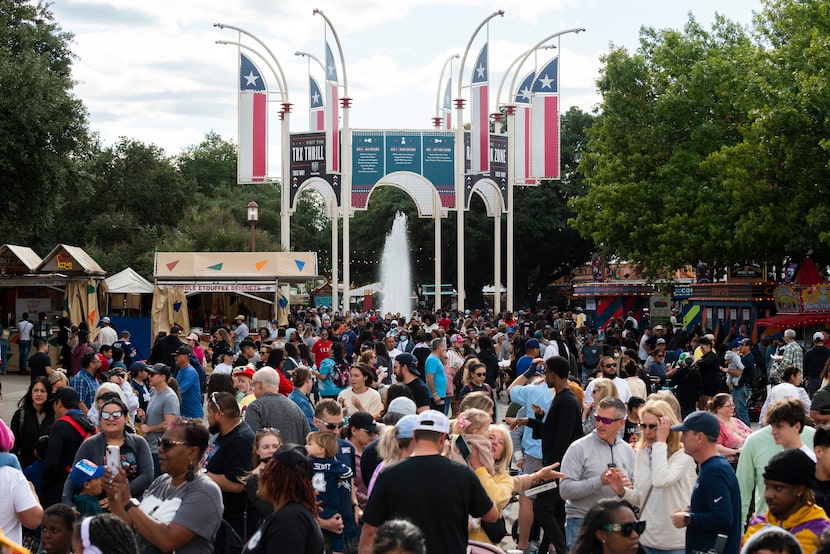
x=165 y=444
x=609 y=365
x=114 y=415
x=625 y=529
x=606 y=420
x=331 y=426
x=651 y=426
x=481 y=375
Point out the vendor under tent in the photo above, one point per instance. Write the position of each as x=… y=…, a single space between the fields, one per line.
x=205 y=289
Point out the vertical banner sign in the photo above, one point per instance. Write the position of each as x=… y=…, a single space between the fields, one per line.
x=308 y=160
x=367 y=164
x=521 y=129
x=253 y=125
x=446 y=106
x=332 y=115
x=438 y=164
x=544 y=142
x=498 y=169
x=480 y=116
x=316 y=110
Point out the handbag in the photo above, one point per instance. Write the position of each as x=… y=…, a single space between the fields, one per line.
x=495 y=531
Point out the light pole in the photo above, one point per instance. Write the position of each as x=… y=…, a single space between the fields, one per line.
x=346 y=171
x=511 y=161
x=311 y=56
x=253 y=217
x=285 y=214
x=438 y=102
x=459 y=164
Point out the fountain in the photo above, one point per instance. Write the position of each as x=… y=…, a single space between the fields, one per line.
x=395 y=271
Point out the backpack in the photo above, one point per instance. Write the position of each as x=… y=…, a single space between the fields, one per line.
x=340 y=374
x=77 y=426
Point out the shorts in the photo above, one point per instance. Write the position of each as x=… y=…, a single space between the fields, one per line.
x=532 y=465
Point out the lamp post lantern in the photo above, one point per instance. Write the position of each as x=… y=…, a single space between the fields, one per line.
x=253 y=217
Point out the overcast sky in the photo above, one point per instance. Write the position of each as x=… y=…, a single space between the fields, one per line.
x=151 y=71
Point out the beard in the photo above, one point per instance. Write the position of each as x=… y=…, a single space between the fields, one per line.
x=609 y=375
x=214 y=429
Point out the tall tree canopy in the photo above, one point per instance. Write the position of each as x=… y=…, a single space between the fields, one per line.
x=42 y=125
x=712 y=145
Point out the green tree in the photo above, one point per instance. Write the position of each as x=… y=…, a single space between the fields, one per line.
x=42 y=125
x=665 y=110
x=781 y=167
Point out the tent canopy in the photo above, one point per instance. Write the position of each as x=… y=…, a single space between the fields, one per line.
x=129 y=282
x=18 y=260
x=794 y=321
x=69 y=260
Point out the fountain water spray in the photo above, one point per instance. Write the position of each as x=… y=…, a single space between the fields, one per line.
x=395 y=271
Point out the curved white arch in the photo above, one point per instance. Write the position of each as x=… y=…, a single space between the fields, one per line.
x=322 y=187
x=489 y=191
x=420 y=189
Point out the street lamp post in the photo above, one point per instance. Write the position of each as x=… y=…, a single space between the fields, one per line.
x=253 y=217
x=459 y=164
x=437 y=118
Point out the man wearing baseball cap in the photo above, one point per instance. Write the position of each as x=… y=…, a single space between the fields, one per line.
x=715 y=507
x=162 y=410
x=432 y=491
x=406 y=371
x=814 y=361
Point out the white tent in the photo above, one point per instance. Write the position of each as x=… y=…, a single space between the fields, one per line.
x=128 y=282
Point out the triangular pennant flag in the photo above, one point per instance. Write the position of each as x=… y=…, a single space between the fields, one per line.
x=177 y=306
x=90 y=289
x=300 y=264
x=260 y=265
x=171 y=265
x=217 y=267
x=92 y=316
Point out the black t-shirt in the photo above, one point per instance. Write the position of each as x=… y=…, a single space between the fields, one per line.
x=292 y=529
x=38 y=364
x=420 y=392
x=435 y=493
x=710 y=374
x=230 y=455
x=822 y=492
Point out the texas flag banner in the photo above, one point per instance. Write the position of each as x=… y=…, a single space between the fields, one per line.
x=480 y=117
x=544 y=142
x=446 y=106
x=332 y=115
x=316 y=113
x=521 y=129
x=253 y=124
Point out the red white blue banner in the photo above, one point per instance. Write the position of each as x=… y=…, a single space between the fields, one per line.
x=332 y=114
x=521 y=129
x=316 y=110
x=480 y=117
x=544 y=143
x=252 y=159
x=446 y=106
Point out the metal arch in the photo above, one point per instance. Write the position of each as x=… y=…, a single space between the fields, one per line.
x=412 y=184
x=488 y=190
x=321 y=187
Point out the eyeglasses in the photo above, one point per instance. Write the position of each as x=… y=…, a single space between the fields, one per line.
x=651 y=426
x=481 y=375
x=165 y=444
x=626 y=528
x=606 y=420
x=268 y=430
x=330 y=426
x=115 y=415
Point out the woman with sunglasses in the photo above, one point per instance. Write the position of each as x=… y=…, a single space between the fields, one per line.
x=664 y=476
x=473 y=380
x=610 y=527
x=182 y=509
x=136 y=460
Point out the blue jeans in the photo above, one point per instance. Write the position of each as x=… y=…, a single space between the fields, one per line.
x=572 y=526
x=4 y=347
x=650 y=550
x=23 y=347
x=740 y=395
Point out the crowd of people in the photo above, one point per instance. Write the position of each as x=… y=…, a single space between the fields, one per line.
x=370 y=433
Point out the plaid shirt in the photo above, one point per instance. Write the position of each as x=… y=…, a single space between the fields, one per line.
x=86 y=385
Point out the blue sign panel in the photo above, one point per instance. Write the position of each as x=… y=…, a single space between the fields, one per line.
x=403 y=152
x=438 y=165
